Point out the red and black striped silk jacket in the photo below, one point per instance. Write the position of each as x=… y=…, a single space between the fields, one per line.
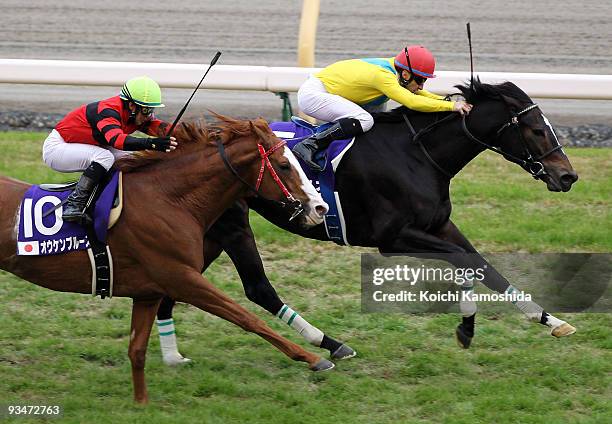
x=103 y=123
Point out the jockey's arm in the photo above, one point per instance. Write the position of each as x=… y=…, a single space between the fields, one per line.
x=110 y=126
x=108 y=122
x=422 y=101
x=429 y=94
x=155 y=127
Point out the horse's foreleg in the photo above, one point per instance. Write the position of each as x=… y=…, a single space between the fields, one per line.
x=167 y=335
x=143 y=314
x=232 y=233
x=258 y=289
x=198 y=291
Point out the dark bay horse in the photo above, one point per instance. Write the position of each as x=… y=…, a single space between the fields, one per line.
x=394 y=191
x=170 y=202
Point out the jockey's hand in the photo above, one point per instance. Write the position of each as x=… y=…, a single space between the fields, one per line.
x=162 y=144
x=462 y=107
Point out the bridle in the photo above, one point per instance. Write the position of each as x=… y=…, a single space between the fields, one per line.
x=292 y=202
x=531 y=164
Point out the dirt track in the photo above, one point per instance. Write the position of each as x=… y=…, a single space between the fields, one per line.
x=523 y=36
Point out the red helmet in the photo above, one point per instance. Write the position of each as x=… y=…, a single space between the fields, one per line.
x=421 y=61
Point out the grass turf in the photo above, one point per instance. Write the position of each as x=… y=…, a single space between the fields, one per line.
x=71 y=350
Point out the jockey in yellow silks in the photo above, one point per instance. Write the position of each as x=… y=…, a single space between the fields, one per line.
x=347 y=91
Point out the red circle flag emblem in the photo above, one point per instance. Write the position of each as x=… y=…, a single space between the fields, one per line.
x=28 y=248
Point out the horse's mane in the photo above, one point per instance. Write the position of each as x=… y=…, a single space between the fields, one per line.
x=191 y=136
x=473 y=94
x=481 y=91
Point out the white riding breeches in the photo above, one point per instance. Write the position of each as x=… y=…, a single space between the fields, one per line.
x=315 y=101
x=73 y=157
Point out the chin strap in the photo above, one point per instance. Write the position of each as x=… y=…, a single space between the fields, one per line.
x=403 y=81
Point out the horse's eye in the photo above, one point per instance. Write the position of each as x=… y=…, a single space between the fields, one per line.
x=285 y=166
x=538 y=131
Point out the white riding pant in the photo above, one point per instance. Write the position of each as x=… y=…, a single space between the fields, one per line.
x=315 y=101
x=76 y=157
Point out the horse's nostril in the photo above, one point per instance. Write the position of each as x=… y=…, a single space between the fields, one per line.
x=321 y=210
x=569 y=179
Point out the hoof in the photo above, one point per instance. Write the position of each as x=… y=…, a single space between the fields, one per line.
x=563 y=330
x=175 y=360
x=322 y=365
x=343 y=352
x=463 y=339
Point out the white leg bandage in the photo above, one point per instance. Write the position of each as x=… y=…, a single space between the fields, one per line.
x=532 y=310
x=312 y=334
x=467 y=305
x=167 y=341
x=553 y=322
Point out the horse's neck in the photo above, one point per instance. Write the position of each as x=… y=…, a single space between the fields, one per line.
x=201 y=183
x=223 y=188
x=450 y=148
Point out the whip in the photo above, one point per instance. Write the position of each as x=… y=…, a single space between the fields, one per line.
x=212 y=63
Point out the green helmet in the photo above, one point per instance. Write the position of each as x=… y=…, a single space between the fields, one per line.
x=143 y=91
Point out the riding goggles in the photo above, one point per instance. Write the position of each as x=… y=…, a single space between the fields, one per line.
x=147 y=111
x=418 y=79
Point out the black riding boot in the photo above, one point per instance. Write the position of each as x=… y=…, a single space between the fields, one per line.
x=74 y=209
x=306 y=149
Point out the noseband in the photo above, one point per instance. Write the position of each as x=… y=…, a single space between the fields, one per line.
x=292 y=202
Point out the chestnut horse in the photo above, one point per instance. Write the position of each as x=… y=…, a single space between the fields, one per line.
x=170 y=202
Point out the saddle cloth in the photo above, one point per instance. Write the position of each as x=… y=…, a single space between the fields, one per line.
x=41 y=235
x=294 y=132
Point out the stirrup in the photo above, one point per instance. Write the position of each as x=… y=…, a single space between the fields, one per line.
x=82 y=218
x=308 y=159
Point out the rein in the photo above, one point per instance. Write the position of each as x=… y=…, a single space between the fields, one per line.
x=531 y=164
x=416 y=137
x=297 y=206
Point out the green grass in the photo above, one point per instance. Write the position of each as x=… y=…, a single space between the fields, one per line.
x=71 y=350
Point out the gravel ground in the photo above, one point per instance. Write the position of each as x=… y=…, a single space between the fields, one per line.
x=543 y=36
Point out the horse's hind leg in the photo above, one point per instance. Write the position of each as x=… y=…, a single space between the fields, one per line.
x=143 y=314
x=200 y=292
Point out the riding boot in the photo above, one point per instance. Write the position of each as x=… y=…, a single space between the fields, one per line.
x=74 y=209
x=306 y=149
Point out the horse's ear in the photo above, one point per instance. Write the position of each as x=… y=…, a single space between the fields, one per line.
x=261 y=134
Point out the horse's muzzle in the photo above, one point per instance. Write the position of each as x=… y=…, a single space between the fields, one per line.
x=562 y=182
x=566 y=180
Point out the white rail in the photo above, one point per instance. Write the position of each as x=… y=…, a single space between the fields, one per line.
x=275 y=79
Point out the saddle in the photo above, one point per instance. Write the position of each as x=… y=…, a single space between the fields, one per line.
x=117 y=206
x=329 y=159
x=42 y=232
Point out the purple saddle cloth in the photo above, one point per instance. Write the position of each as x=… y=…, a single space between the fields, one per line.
x=41 y=235
x=324 y=181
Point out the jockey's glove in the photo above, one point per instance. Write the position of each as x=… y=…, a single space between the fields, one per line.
x=152 y=143
x=159 y=143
